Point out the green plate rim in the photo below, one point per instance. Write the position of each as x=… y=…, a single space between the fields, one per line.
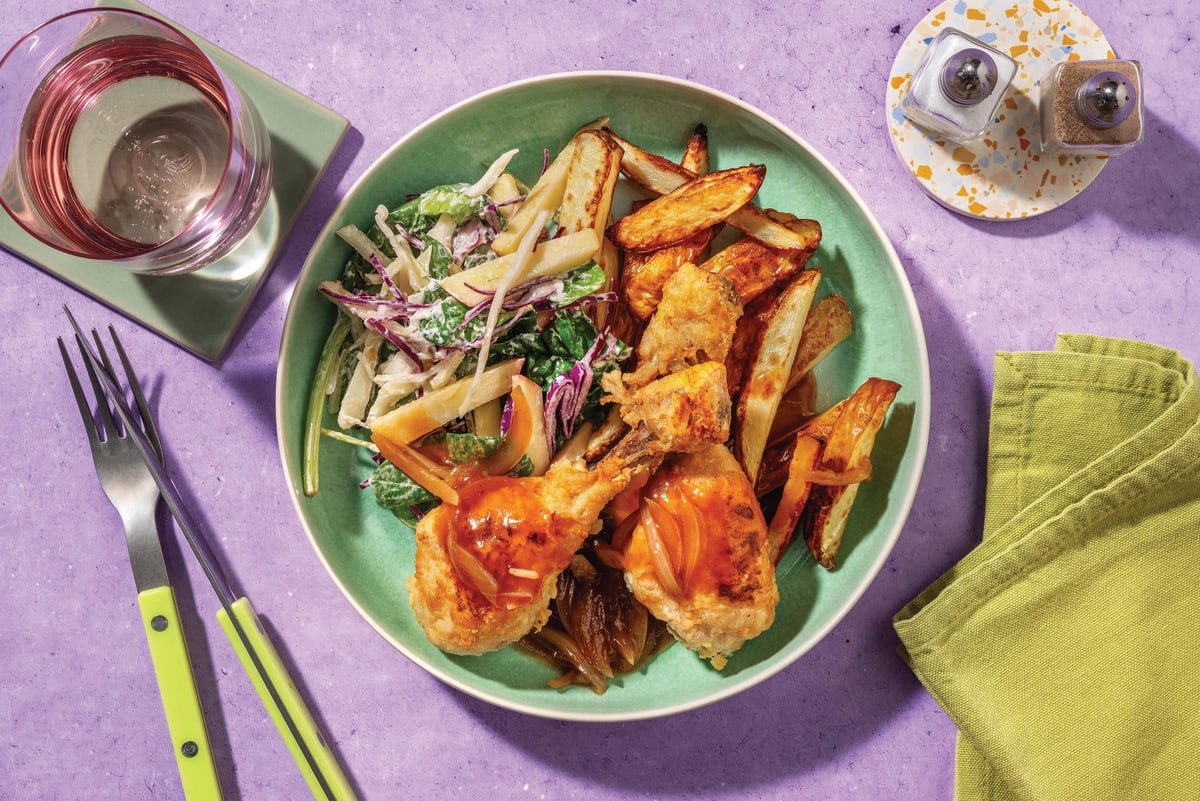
x=904 y=493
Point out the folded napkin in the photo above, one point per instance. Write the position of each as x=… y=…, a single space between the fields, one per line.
x=1066 y=646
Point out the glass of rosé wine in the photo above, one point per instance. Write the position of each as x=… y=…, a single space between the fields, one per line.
x=120 y=141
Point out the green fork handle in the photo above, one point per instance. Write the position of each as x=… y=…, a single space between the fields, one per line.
x=177 y=687
x=256 y=651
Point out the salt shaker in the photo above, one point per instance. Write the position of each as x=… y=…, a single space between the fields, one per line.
x=1092 y=107
x=958 y=86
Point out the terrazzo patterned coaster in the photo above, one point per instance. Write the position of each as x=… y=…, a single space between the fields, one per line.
x=201 y=311
x=1003 y=175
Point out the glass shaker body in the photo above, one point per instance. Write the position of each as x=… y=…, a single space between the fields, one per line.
x=1092 y=107
x=958 y=86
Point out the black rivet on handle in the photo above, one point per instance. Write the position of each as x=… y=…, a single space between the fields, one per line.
x=158 y=623
x=189 y=749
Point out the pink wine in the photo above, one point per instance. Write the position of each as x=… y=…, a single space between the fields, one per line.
x=126 y=142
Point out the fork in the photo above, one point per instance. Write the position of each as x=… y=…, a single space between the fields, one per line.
x=133 y=492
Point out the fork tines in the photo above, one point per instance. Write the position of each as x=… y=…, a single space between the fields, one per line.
x=109 y=425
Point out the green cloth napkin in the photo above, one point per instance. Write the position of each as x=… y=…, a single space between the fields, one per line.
x=1066 y=646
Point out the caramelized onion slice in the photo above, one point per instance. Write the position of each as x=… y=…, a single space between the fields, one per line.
x=567 y=650
x=691 y=535
x=471 y=571
x=659 y=556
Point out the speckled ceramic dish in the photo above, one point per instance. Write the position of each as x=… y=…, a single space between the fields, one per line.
x=370 y=554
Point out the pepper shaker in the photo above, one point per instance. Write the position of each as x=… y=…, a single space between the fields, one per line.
x=1092 y=107
x=958 y=86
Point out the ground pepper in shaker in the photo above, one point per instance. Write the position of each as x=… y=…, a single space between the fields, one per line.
x=958 y=86
x=1092 y=107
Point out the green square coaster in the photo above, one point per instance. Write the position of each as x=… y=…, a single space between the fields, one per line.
x=200 y=311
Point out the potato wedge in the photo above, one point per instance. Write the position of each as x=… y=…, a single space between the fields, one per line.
x=643 y=278
x=545 y=195
x=609 y=259
x=798 y=406
x=848 y=448
x=695 y=153
x=829 y=323
x=745 y=338
x=689 y=209
x=806 y=456
x=661 y=176
x=766 y=226
x=778 y=456
x=754 y=267
x=591 y=178
x=650 y=171
x=550 y=258
x=772 y=364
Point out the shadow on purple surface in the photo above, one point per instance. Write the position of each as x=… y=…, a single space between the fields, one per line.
x=1149 y=191
x=300 y=240
x=824 y=708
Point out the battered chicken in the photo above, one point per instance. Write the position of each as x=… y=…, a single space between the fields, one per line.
x=694 y=323
x=698 y=558
x=487 y=568
x=681 y=410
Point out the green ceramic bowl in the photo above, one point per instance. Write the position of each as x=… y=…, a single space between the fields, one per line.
x=370 y=554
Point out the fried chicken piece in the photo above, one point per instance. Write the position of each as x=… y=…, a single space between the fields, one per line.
x=698 y=558
x=681 y=410
x=487 y=567
x=694 y=323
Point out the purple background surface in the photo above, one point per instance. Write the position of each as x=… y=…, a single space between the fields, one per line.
x=79 y=712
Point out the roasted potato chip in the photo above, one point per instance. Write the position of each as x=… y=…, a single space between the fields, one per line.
x=773 y=471
x=695 y=153
x=591 y=178
x=763 y=386
x=847 y=449
x=829 y=323
x=661 y=176
x=545 y=195
x=689 y=209
x=754 y=267
x=644 y=275
x=745 y=338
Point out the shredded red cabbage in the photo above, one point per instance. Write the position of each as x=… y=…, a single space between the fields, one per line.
x=467 y=237
x=380 y=327
x=506 y=416
x=568 y=392
x=398 y=307
x=387 y=279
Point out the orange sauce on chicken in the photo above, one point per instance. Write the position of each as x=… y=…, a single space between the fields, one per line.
x=503 y=542
x=701 y=559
